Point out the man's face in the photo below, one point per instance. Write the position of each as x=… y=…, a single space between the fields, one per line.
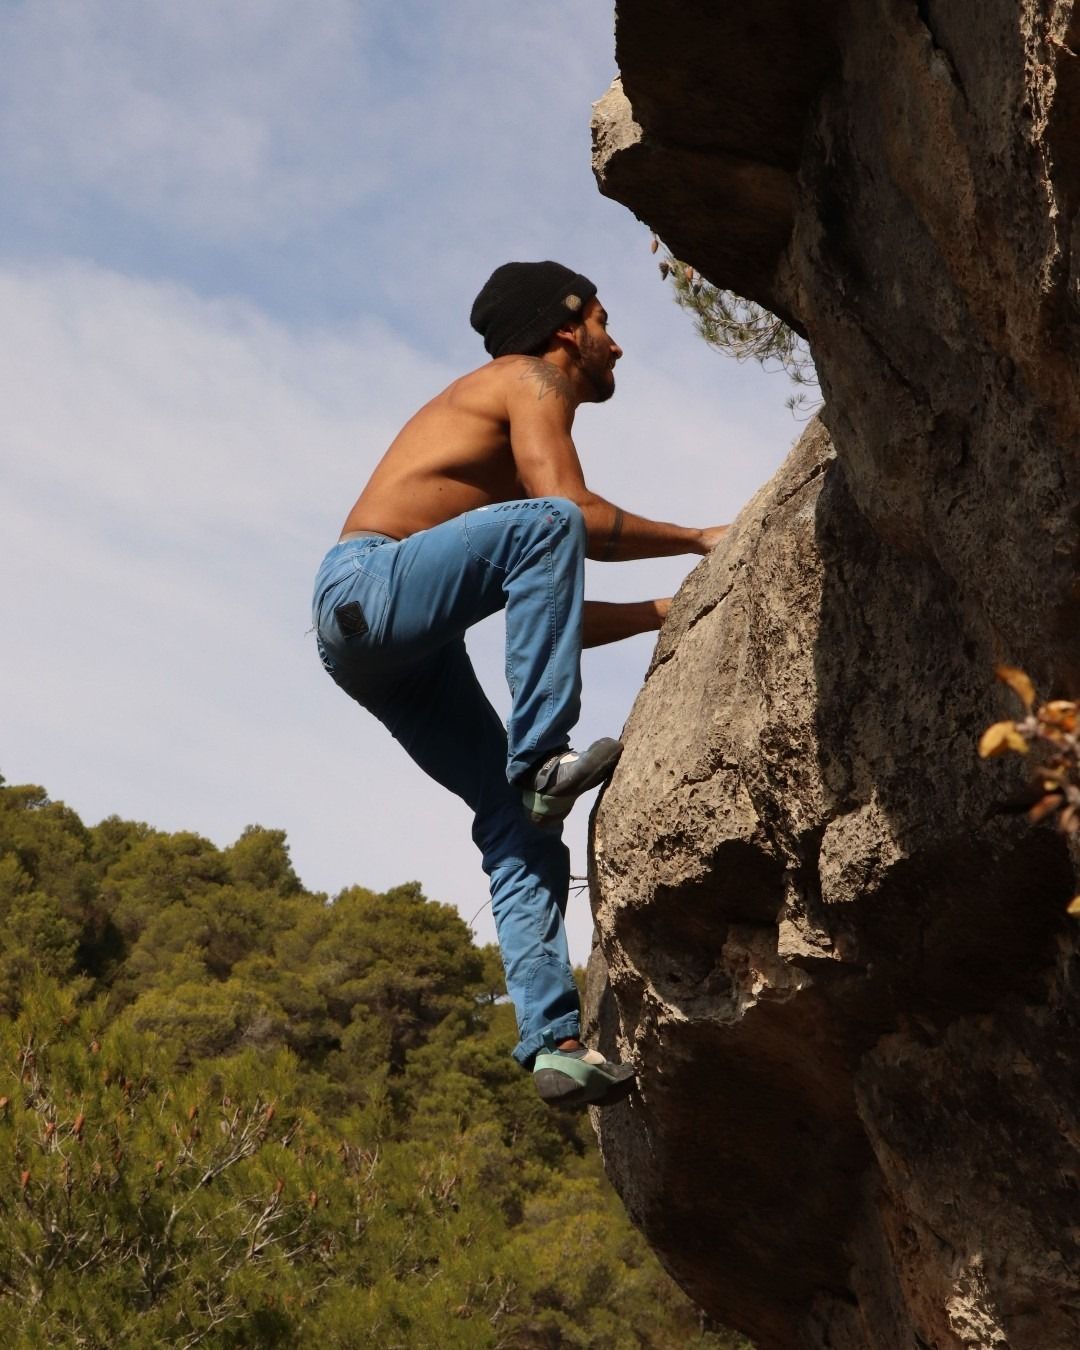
x=598 y=351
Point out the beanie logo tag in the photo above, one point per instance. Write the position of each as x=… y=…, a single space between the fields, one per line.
x=573 y=303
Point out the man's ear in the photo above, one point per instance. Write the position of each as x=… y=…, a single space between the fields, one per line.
x=570 y=332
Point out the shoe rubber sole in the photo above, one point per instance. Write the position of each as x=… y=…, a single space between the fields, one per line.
x=562 y=1081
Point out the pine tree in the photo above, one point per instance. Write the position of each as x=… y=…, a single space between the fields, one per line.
x=738 y=327
x=233 y=1113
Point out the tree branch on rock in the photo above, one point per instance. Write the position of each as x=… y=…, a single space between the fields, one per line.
x=738 y=327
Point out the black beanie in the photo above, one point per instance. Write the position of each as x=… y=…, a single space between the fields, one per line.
x=522 y=304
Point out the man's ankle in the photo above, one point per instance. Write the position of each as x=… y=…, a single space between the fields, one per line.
x=571 y=1043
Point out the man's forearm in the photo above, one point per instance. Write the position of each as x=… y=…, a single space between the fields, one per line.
x=608 y=621
x=616 y=535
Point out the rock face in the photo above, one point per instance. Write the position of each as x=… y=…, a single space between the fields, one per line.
x=848 y=979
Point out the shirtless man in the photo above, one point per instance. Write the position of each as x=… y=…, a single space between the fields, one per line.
x=480 y=504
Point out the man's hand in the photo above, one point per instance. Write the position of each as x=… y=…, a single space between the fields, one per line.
x=606 y=621
x=711 y=536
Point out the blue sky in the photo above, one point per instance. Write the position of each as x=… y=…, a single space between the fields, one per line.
x=239 y=247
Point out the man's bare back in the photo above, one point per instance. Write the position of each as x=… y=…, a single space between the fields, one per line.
x=454 y=455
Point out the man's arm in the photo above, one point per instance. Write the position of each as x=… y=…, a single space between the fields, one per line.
x=541 y=410
x=610 y=621
x=616 y=535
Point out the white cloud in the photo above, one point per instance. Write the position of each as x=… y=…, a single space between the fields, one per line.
x=258 y=120
x=194 y=413
x=199 y=114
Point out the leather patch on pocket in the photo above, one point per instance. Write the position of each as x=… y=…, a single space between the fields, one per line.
x=351 y=619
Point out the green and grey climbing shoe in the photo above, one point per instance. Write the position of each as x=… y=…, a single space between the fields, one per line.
x=580 y=1078
x=551 y=788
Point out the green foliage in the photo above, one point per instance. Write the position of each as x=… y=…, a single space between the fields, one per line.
x=738 y=327
x=235 y=1115
x=261 y=859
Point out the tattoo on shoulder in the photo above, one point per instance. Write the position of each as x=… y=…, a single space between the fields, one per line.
x=547 y=378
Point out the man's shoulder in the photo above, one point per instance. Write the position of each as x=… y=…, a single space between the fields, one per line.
x=527 y=380
x=511 y=381
x=540 y=379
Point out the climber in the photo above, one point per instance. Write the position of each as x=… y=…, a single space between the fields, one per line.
x=479 y=505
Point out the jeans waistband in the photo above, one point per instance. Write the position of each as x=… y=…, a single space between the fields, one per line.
x=366 y=534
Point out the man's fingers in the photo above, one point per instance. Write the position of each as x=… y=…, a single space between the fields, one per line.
x=711 y=537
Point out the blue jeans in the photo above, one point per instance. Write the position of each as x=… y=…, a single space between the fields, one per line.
x=391 y=617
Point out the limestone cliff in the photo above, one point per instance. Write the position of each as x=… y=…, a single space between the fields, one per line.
x=849 y=981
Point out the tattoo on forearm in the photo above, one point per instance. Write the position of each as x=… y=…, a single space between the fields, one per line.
x=547 y=378
x=613 y=536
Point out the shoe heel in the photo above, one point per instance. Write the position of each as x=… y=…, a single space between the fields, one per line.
x=545 y=810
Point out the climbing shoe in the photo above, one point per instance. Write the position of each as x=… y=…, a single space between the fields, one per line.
x=551 y=787
x=580 y=1078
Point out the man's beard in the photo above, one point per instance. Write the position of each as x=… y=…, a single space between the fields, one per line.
x=596 y=367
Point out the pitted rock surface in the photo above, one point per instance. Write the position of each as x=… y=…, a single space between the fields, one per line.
x=846 y=975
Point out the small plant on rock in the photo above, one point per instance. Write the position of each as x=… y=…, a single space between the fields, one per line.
x=738 y=327
x=1050 y=730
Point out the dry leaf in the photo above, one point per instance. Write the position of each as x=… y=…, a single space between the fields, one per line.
x=1044 y=807
x=1074 y=908
x=1060 y=713
x=1000 y=739
x=1018 y=682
